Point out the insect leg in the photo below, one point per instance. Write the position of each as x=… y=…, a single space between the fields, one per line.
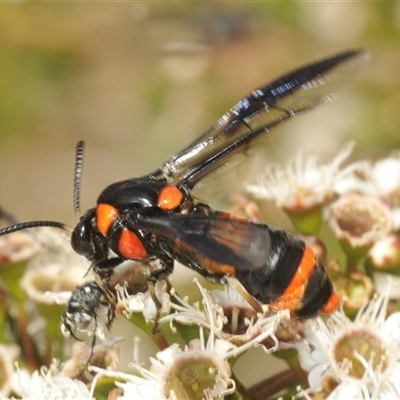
x=167 y=266
x=104 y=269
x=235 y=284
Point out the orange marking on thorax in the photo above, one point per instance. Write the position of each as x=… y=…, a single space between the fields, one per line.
x=130 y=246
x=170 y=198
x=105 y=214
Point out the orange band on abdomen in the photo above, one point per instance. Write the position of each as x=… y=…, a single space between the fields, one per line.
x=303 y=273
x=293 y=295
x=332 y=304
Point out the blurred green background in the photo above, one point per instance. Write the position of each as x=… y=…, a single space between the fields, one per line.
x=139 y=80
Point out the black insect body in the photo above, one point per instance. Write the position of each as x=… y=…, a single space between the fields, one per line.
x=83 y=307
x=158 y=217
x=82 y=311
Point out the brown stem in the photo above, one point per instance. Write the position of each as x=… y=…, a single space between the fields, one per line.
x=160 y=340
x=272 y=385
x=25 y=340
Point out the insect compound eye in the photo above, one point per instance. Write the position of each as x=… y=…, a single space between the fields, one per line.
x=170 y=198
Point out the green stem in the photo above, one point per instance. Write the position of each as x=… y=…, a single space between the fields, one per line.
x=352 y=262
x=159 y=339
x=54 y=337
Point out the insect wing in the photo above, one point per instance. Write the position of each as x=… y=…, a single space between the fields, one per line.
x=237 y=243
x=236 y=136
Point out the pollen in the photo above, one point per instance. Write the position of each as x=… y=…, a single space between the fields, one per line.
x=361 y=344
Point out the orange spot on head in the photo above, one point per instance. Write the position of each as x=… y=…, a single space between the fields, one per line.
x=170 y=198
x=130 y=246
x=105 y=214
x=331 y=305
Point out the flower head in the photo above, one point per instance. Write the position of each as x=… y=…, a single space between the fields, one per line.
x=229 y=316
x=55 y=278
x=105 y=355
x=198 y=371
x=305 y=183
x=380 y=180
x=354 y=359
x=17 y=247
x=385 y=255
x=359 y=221
x=48 y=384
x=132 y=291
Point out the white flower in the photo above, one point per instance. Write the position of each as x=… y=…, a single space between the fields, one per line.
x=8 y=355
x=382 y=180
x=304 y=183
x=201 y=369
x=198 y=371
x=357 y=359
x=229 y=316
x=142 y=301
x=380 y=284
x=45 y=384
x=17 y=247
x=44 y=285
x=56 y=249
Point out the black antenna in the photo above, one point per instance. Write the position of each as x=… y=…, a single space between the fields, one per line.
x=78 y=176
x=34 y=224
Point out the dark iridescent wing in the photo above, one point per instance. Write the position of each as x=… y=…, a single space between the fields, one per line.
x=238 y=243
x=236 y=136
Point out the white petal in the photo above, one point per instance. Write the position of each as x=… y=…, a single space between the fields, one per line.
x=315 y=377
x=148 y=391
x=391 y=328
x=351 y=389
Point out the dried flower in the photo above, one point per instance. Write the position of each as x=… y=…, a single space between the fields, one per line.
x=359 y=222
x=105 y=355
